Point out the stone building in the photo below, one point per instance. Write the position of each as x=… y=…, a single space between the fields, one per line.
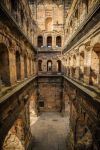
x=49 y=62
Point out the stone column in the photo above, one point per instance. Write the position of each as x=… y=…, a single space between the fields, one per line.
x=44 y=40
x=12 y=66
x=53 y=41
x=88 y=57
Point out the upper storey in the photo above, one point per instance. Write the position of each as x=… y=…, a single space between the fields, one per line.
x=80 y=14
x=49 y=16
x=20 y=13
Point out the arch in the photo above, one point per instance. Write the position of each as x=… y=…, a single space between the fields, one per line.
x=58 y=41
x=49 y=41
x=48 y=24
x=29 y=66
x=81 y=65
x=4 y=65
x=25 y=66
x=18 y=65
x=40 y=65
x=86 y=3
x=59 y=65
x=69 y=68
x=14 y=5
x=74 y=65
x=40 y=41
x=95 y=65
x=49 y=65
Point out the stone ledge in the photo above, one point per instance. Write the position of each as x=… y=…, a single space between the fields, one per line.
x=91 y=93
x=16 y=89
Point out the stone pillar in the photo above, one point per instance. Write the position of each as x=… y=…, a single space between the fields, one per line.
x=87 y=69
x=53 y=41
x=12 y=66
x=44 y=41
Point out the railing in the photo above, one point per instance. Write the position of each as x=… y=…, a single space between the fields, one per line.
x=50 y=73
x=45 y=48
x=17 y=88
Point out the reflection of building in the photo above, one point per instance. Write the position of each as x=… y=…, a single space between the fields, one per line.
x=50 y=62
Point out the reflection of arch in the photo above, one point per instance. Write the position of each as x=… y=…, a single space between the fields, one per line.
x=49 y=65
x=18 y=65
x=49 y=41
x=83 y=134
x=59 y=65
x=58 y=41
x=4 y=65
x=48 y=24
x=40 y=41
x=15 y=137
x=40 y=65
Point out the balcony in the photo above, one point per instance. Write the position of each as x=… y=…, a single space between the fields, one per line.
x=49 y=73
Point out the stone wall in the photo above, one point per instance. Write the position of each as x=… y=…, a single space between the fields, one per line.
x=49 y=16
x=84 y=119
x=45 y=57
x=50 y=94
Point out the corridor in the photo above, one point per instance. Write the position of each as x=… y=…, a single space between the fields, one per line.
x=50 y=131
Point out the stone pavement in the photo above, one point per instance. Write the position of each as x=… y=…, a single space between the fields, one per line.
x=50 y=132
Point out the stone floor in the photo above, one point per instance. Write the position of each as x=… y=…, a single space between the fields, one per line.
x=50 y=132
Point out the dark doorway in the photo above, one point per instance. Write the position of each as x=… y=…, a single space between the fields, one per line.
x=40 y=65
x=49 y=41
x=40 y=41
x=4 y=65
x=18 y=66
x=49 y=65
x=58 y=41
x=59 y=65
x=25 y=66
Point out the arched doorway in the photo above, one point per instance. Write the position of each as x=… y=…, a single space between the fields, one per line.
x=95 y=66
x=74 y=66
x=49 y=65
x=59 y=65
x=58 y=41
x=40 y=41
x=40 y=65
x=25 y=66
x=82 y=65
x=4 y=65
x=49 y=41
x=18 y=65
x=29 y=66
x=48 y=24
